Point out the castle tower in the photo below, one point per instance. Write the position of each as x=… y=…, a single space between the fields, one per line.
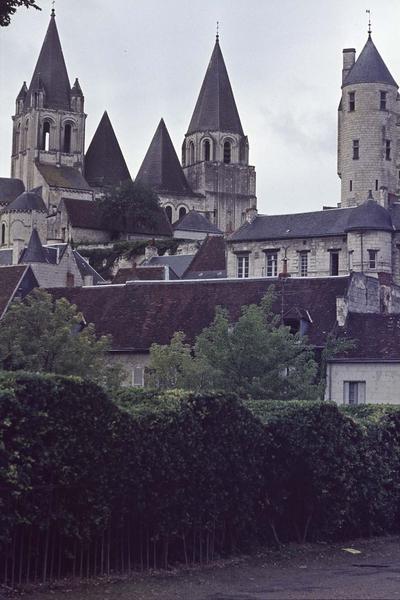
x=49 y=121
x=368 y=132
x=215 y=152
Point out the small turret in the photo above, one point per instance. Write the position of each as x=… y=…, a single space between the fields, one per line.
x=20 y=101
x=77 y=97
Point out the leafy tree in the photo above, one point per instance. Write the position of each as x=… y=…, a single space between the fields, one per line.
x=41 y=335
x=9 y=7
x=256 y=356
x=129 y=204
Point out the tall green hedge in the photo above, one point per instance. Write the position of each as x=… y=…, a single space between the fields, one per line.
x=90 y=485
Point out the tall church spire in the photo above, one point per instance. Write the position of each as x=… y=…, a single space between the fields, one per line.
x=216 y=108
x=51 y=72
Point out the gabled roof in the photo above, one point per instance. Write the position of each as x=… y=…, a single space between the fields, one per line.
x=369 y=68
x=86 y=214
x=15 y=280
x=210 y=257
x=141 y=313
x=63 y=177
x=178 y=263
x=50 y=72
x=86 y=269
x=28 y=201
x=216 y=109
x=10 y=189
x=194 y=221
x=161 y=170
x=34 y=252
x=104 y=162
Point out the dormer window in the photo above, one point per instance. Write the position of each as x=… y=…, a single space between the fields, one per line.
x=383 y=100
x=352 y=101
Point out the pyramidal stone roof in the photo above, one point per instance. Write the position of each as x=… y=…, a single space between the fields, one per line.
x=369 y=67
x=216 y=109
x=50 y=72
x=104 y=161
x=34 y=253
x=161 y=170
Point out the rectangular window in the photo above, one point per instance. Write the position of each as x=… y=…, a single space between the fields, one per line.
x=376 y=185
x=351 y=185
x=138 y=377
x=351 y=258
x=303 y=264
x=388 y=150
x=243 y=266
x=334 y=270
x=383 y=100
x=354 y=392
x=372 y=258
x=356 y=149
x=271 y=264
x=352 y=101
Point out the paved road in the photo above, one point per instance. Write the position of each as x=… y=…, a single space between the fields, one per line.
x=311 y=572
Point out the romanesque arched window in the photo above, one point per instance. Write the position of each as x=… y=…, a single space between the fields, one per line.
x=16 y=140
x=67 y=143
x=191 y=153
x=206 y=150
x=45 y=141
x=227 y=152
x=168 y=210
x=182 y=212
x=3 y=234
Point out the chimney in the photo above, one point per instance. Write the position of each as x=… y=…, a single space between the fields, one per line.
x=150 y=250
x=251 y=214
x=18 y=246
x=349 y=58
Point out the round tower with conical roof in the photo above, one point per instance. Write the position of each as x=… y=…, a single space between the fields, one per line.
x=368 y=128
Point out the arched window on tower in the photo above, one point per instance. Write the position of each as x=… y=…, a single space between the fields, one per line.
x=45 y=145
x=182 y=212
x=16 y=140
x=168 y=210
x=227 y=152
x=191 y=153
x=206 y=150
x=3 y=234
x=184 y=154
x=67 y=138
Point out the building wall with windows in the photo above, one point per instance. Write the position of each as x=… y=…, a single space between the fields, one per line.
x=363 y=382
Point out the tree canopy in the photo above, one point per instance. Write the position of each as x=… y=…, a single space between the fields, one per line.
x=129 y=204
x=256 y=356
x=41 y=335
x=9 y=8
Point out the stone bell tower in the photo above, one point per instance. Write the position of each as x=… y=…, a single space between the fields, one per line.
x=49 y=121
x=215 y=152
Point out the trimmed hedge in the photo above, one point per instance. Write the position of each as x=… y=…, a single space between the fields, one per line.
x=89 y=486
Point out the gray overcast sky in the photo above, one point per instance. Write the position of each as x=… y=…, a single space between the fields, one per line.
x=145 y=59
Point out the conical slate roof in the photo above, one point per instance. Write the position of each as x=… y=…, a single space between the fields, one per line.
x=370 y=216
x=23 y=92
x=104 y=161
x=369 y=68
x=216 y=108
x=27 y=201
x=76 y=89
x=34 y=253
x=51 y=72
x=161 y=170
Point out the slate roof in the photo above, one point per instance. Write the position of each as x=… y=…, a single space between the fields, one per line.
x=141 y=273
x=141 y=313
x=34 y=252
x=369 y=216
x=63 y=177
x=5 y=256
x=86 y=214
x=86 y=269
x=178 y=263
x=210 y=258
x=195 y=221
x=10 y=189
x=104 y=162
x=369 y=68
x=51 y=73
x=10 y=278
x=161 y=170
x=215 y=108
x=28 y=201
x=377 y=337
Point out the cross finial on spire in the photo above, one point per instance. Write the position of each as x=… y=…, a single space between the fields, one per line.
x=217 y=36
x=53 y=10
x=369 y=21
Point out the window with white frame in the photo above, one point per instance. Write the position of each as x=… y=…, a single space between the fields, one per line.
x=242 y=265
x=354 y=392
x=271 y=264
x=372 y=259
x=138 y=376
x=303 y=264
